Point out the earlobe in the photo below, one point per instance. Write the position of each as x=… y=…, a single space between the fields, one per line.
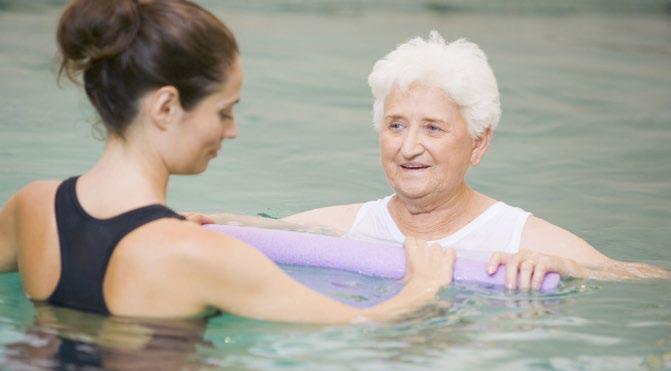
x=480 y=146
x=164 y=106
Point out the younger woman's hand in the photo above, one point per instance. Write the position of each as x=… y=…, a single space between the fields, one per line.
x=197 y=218
x=526 y=269
x=430 y=265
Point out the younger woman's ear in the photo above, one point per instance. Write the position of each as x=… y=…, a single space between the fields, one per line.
x=164 y=107
x=480 y=146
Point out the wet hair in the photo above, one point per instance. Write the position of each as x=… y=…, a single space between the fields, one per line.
x=459 y=68
x=125 y=48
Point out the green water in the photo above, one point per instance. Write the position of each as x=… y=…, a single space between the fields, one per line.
x=584 y=143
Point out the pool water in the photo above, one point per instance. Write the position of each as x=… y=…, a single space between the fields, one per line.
x=584 y=143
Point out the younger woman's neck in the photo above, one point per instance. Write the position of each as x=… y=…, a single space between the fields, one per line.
x=129 y=173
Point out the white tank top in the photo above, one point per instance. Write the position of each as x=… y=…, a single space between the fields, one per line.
x=499 y=228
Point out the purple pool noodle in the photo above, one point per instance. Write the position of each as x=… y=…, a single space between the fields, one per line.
x=376 y=259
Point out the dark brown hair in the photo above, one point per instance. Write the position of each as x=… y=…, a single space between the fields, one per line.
x=125 y=48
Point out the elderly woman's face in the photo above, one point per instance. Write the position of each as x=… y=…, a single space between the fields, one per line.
x=425 y=147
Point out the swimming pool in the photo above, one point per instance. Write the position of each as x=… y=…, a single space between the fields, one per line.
x=583 y=142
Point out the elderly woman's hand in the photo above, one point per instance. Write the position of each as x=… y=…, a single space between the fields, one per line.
x=526 y=269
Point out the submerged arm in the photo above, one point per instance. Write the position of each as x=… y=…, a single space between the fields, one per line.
x=546 y=238
x=261 y=222
x=333 y=220
x=337 y=218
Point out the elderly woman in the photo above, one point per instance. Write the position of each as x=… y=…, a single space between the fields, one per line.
x=436 y=108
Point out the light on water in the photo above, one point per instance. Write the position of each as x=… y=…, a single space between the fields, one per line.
x=584 y=143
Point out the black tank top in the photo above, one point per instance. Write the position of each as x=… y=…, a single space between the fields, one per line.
x=86 y=245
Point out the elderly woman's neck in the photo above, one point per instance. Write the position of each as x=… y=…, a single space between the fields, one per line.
x=435 y=217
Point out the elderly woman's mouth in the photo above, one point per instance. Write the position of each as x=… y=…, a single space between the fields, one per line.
x=414 y=166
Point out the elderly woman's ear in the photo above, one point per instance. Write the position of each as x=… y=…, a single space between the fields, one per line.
x=480 y=146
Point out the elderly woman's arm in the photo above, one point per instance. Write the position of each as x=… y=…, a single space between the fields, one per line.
x=8 y=248
x=546 y=238
x=310 y=221
x=337 y=218
x=332 y=220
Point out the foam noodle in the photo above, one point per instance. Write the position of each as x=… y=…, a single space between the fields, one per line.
x=369 y=258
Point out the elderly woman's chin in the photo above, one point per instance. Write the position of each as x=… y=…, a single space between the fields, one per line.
x=413 y=188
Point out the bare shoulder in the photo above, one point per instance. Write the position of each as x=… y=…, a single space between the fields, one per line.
x=35 y=202
x=37 y=192
x=168 y=237
x=174 y=242
x=544 y=237
x=339 y=217
x=168 y=268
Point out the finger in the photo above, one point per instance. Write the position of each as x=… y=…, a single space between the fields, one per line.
x=539 y=275
x=524 y=280
x=204 y=219
x=409 y=248
x=436 y=250
x=450 y=255
x=451 y=258
x=511 y=272
x=494 y=262
x=409 y=243
x=195 y=218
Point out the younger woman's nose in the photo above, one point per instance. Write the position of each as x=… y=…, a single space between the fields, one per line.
x=231 y=130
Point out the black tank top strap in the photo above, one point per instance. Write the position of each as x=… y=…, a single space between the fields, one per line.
x=86 y=245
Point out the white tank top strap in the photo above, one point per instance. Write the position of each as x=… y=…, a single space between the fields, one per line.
x=520 y=221
x=388 y=221
x=363 y=210
x=373 y=222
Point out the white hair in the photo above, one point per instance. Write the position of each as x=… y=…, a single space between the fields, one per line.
x=459 y=68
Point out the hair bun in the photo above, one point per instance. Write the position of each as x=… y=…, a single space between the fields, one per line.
x=93 y=30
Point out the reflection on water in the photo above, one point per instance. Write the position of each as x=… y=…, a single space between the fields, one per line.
x=65 y=339
x=349 y=288
x=463 y=319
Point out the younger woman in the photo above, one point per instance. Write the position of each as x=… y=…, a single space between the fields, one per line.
x=164 y=77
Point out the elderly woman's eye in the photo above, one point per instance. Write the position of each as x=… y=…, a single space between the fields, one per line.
x=433 y=128
x=395 y=126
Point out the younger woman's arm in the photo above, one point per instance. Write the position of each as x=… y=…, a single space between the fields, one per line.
x=238 y=279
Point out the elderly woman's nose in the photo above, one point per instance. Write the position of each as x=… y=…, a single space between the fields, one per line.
x=412 y=145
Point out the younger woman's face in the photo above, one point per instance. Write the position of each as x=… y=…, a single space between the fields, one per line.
x=201 y=132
